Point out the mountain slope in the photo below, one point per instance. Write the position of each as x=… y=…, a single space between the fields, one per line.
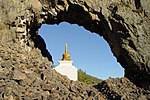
x=88 y=79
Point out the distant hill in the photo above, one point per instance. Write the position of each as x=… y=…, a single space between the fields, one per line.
x=88 y=79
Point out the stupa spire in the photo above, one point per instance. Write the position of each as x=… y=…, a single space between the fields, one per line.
x=66 y=48
x=66 y=55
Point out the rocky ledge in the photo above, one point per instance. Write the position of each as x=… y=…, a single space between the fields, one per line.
x=26 y=76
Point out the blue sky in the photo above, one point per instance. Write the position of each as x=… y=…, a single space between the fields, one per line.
x=89 y=51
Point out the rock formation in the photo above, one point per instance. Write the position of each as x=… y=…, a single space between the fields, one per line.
x=25 y=76
x=124 y=24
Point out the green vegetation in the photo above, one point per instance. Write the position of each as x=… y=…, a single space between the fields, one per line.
x=88 y=79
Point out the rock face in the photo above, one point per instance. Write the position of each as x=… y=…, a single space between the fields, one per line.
x=124 y=24
x=121 y=89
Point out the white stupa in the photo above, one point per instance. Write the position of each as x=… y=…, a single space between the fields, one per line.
x=66 y=66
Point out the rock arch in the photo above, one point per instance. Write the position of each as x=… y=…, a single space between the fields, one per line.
x=122 y=24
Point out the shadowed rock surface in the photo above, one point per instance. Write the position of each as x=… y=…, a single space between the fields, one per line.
x=124 y=24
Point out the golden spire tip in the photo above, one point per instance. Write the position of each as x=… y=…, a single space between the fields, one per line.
x=66 y=55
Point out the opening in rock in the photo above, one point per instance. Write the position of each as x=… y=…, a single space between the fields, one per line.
x=90 y=52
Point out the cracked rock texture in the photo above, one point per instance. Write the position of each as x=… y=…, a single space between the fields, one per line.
x=124 y=24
